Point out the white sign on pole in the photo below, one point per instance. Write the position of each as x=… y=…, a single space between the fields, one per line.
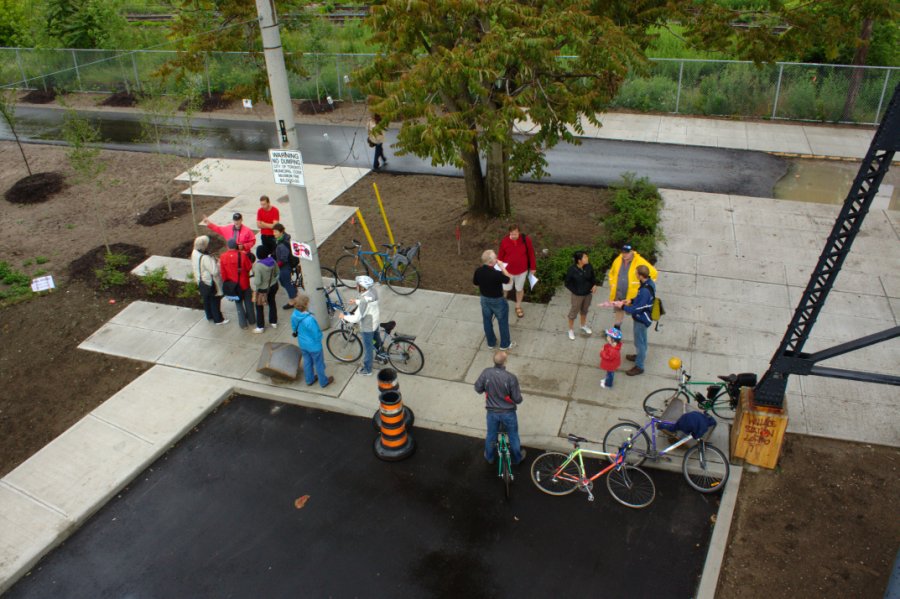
x=287 y=166
x=301 y=250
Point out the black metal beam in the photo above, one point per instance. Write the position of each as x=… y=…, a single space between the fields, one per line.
x=850 y=346
x=789 y=358
x=856 y=375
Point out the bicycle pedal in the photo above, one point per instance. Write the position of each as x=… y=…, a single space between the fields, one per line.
x=590 y=497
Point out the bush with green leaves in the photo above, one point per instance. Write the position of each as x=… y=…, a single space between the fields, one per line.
x=657 y=94
x=13 y=284
x=189 y=289
x=111 y=274
x=156 y=281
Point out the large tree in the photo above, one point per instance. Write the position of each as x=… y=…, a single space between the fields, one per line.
x=460 y=73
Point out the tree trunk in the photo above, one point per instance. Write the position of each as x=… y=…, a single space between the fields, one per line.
x=476 y=195
x=859 y=59
x=497 y=181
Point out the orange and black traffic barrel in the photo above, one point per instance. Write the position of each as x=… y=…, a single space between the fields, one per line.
x=394 y=442
x=387 y=381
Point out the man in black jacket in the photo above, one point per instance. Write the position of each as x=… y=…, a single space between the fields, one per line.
x=582 y=282
x=490 y=281
x=502 y=395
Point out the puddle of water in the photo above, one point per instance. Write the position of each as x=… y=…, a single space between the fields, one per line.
x=827 y=182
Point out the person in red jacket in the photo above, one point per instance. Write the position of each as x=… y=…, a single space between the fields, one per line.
x=235 y=268
x=518 y=254
x=266 y=217
x=611 y=356
x=242 y=235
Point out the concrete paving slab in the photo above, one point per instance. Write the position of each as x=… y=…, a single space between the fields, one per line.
x=129 y=342
x=177 y=269
x=797 y=423
x=838 y=389
x=749 y=292
x=536 y=376
x=852 y=419
x=851 y=304
x=681 y=307
x=676 y=282
x=466 y=307
x=729 y=267
x=341 y=371
x=411 y=323
x=747 y=316
x=158 y=317
x=845 y=281
x=81 y=469
x=546 y=346
x=212 y=357
x=456 y=333
x=447 y=362
x=832 y=329
x=431 y=302
x=699 y=245
x=714 y=231
x=626 y=392
x=675 y=261
x=163 y=403
x=733 y=341
x=674 y=336
x=302 y=398
x=593 y=421
x=231 y=334
x=28 y=530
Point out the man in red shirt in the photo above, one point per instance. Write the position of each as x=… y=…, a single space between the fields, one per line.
x=266 y=217
x=243 y=236
x=518 y=254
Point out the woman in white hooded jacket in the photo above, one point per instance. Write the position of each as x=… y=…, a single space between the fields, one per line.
x=369 y=318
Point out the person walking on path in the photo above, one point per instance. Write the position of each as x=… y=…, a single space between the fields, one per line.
x=623 y=280
x=369 y=316
x=376 y=140
x=611 y=356
x=640 y=308
x=582 y=282
x=502 y=395
x=286 y=265
x=243 y=236
x=264 y=284
x=490 y=278
x=235 y=268
x=517 y=252
x=309 y=337
x=209 y=281
x=266 y=217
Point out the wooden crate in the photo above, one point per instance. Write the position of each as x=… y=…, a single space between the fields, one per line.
x=757 y=434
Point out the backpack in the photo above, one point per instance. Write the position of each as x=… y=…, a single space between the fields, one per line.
x=293 y=260
x=657 y=311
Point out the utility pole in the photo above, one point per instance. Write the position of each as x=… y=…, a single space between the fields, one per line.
x=301 y=218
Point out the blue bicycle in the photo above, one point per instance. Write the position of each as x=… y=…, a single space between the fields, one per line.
x=396 y=268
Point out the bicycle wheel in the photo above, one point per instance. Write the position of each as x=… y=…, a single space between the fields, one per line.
x=544 y=474
x=344 y=345
x=329 y=278
x=630 y=433
x=347 y=268
x=723 y=406
x=405 y=356
x=506 y=472
x=657 y=402
x=403 y=279
x=631 y=486
x=705 y=468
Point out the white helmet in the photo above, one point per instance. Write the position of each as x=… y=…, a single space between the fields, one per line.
x=364 y=282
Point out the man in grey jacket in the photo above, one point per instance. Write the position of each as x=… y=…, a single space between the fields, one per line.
x=502 y=395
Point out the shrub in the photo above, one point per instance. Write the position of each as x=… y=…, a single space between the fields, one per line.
x=654 y=94
x=189 y=288
x=111 y=275
x=156 y=281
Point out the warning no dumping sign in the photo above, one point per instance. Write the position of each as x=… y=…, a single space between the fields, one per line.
x=287 y=166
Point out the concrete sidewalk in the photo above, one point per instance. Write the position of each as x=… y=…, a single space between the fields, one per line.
x=731 y=273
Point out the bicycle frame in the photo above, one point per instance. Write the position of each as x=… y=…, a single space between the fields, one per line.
x=652 y=425
x=503 y=453
x=583 y=480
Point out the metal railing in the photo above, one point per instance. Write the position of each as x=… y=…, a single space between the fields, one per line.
x=784 y=90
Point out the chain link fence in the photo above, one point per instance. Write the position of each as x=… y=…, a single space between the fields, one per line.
x=792 y=91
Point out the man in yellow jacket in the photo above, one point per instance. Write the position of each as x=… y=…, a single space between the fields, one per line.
x=623 y=280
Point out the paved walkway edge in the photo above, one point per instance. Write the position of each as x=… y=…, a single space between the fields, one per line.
x=715 y=555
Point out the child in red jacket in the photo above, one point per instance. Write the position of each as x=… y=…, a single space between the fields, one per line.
x=610 y=357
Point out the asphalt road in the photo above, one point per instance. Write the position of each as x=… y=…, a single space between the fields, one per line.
x=593 y=163
x=215 y=517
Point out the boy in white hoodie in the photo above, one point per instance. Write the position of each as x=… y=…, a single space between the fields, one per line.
x=369 y=318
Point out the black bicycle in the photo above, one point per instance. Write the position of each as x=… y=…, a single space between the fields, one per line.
x=345 y=344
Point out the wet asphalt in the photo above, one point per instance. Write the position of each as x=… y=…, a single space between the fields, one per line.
x=215 y=517
x=594 y=162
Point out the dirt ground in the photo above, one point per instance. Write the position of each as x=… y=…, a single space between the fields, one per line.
x=824 y=523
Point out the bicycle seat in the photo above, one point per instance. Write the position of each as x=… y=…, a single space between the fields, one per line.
x=390 y=246
x=743 y=379
x=388 y=326
x=576 y=439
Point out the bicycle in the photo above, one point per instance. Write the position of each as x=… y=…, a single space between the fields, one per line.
x=396 y=268
x=721 y=397
x=705 y=467
x=504 y=460
x=333 y=300
x=556 y=473
x=327 y=276
x=345 y=344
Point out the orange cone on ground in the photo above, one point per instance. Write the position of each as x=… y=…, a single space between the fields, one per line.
x=387 y=381
x=393 y=442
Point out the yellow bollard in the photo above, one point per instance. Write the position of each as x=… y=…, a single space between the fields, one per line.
x=362 y=221
x=387 y=225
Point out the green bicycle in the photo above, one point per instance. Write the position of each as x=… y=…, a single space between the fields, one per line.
x=721 y=396
x=396 y=268
x=504 y=460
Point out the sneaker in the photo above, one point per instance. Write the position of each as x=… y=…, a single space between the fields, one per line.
x=364 y=372
x=571 y=334
x=524 y=455
x=603 y=384
x=586 y=330
x=508 y=347
x=286 y=307
x=258 y=330
x=273 y=325
x=492 y=347
x=634 y=371
x=226 y=321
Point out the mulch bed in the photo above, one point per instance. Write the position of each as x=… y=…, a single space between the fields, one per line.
x=210 y=102
x=121 y=98
x=183 y=250
x=317 y=107
x=36 y=188
x=40 y=96
x=159 y=213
